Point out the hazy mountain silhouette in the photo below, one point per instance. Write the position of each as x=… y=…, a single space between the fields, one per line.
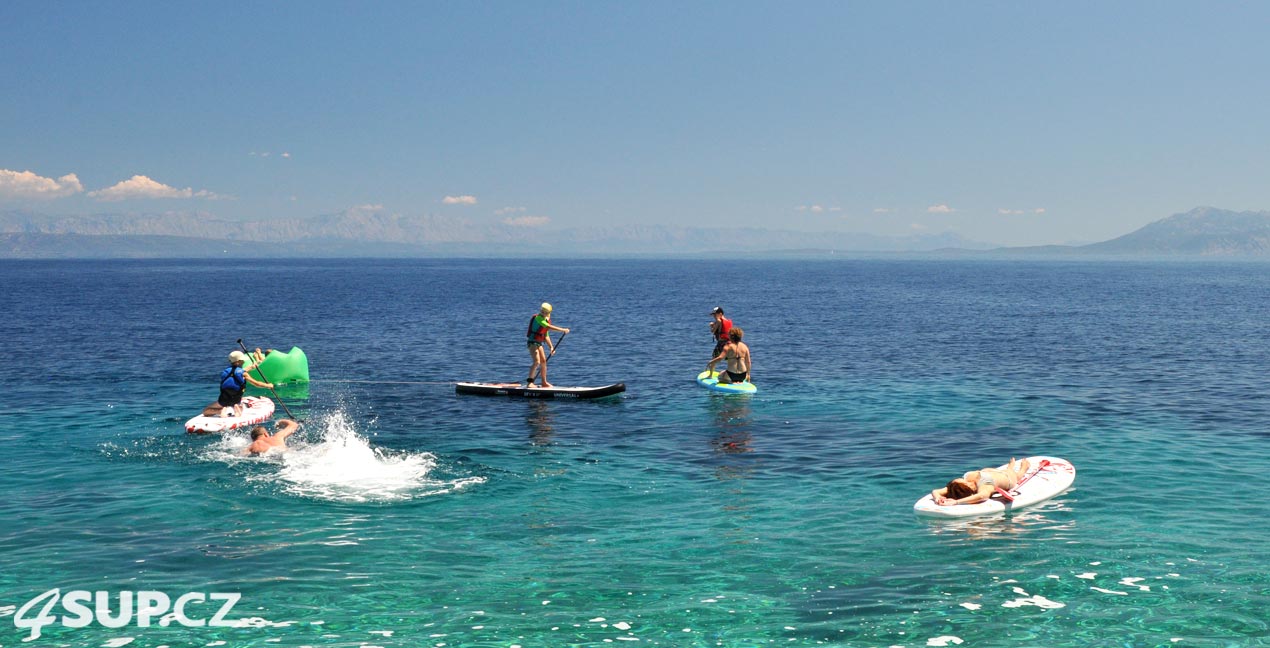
x=376 y=232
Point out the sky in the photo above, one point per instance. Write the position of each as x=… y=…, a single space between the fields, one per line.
x=1016 y=123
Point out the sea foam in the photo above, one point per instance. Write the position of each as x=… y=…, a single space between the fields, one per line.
x=329 y=460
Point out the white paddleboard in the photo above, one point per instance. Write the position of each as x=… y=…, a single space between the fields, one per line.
x=1046 y=478
x=255 y=410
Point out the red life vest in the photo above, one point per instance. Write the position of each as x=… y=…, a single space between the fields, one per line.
x=536 y=333
x=725 y=325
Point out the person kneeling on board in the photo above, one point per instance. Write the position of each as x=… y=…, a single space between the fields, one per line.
x=233 y=382
x=540 y=328
x=262 y=441
x=737 y=355
x=980 y=485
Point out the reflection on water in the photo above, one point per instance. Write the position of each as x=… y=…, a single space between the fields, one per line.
x=1016 y=523
x=541 y=422
x=732 y=420
x=290 y=392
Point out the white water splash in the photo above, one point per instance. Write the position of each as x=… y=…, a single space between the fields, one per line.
x=343 y=466
x=329 y=460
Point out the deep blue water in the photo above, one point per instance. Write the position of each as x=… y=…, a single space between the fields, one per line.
x=408 y=516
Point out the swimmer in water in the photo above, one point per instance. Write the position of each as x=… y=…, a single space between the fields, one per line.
x=262 y=441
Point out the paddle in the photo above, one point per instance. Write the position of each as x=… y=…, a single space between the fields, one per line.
x=262 y=377
x=555 y=347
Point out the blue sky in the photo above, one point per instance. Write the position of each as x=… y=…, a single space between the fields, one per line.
x=1014 y=123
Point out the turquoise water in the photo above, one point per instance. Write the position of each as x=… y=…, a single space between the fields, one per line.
x=408 y=516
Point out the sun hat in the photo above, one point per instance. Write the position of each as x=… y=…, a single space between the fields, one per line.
x=545 y=308
x=238 y=356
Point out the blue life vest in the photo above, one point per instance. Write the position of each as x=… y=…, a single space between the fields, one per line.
x=233 y=378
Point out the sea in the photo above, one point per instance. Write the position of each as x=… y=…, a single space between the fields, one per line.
x=405 y=514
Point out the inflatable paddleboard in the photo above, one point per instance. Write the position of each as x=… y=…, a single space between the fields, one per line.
x=516 y=389
x=284 y=367
x=1046 y=477
x=255 y=410
x=710 y=380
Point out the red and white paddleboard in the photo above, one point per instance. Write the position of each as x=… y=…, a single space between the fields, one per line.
x=255 y=410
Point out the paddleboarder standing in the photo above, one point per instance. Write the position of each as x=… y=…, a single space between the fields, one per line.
x=540 y=328
x=719 y=327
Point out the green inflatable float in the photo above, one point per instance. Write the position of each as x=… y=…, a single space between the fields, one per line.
x=281 y=368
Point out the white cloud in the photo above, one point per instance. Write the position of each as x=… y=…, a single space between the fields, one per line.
x=1016 y=212
x=940 y=209
x=286 y=155
x=881 y=210
x=817 y=209
x=917 y=227
x=25 y=184
x=527 y=221
x=459 y=200
x=503 y=211
x=142 y=187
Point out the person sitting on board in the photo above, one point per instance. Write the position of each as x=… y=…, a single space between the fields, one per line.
x=540 y=328
x=233 y=382
x=262 y=441
x=719 y=327
x=980 y=485
x=737 y=354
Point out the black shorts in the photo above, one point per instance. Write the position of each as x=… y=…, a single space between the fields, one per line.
x=738 y=377
x=229 y=397
x=718 y=348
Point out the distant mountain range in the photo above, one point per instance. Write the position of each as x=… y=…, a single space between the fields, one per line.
x=373 y=232
x=1201 y=232
x=1204 y=231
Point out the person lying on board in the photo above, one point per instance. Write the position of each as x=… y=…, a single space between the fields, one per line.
x=540 y=328
x=980 y=485
x=233 y=382
x=262 y=441
x=737 y=354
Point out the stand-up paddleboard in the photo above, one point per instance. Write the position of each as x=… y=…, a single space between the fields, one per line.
x=255 y=410
x=518 y=390
x=710 y=380
x=1046 y=477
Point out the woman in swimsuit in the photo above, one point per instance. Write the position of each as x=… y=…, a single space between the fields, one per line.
x=737 y=355
x=979 y=485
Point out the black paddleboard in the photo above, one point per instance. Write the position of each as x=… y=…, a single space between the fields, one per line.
x=520 y=391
